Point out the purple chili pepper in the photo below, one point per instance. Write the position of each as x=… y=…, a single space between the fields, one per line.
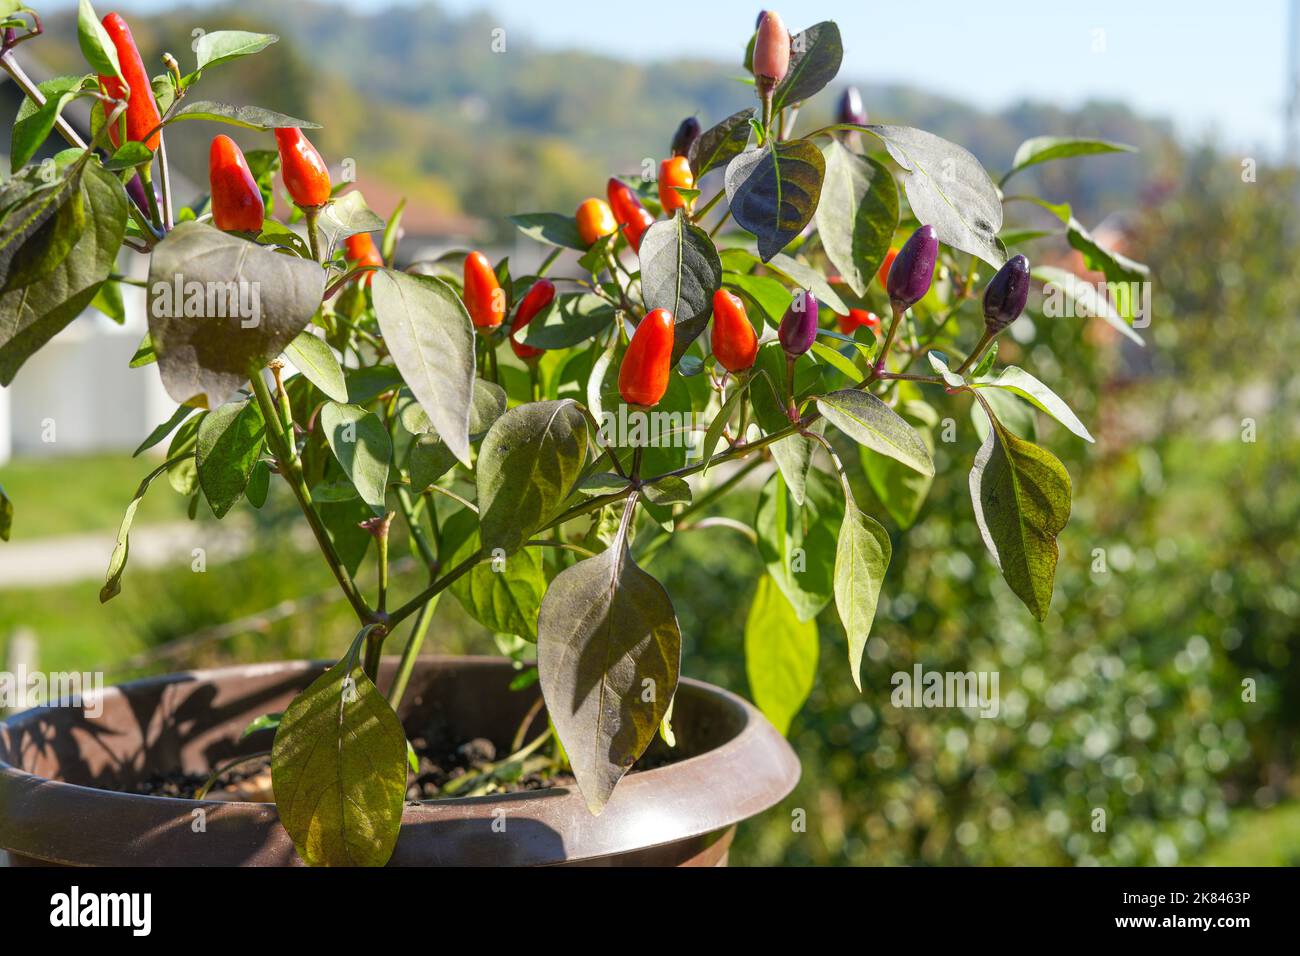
x=913 y=269
x=687 y=133
x=850 y=108
x=799 y=324
x=1006 y=294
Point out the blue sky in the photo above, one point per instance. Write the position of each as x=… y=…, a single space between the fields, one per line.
x=1215 y=68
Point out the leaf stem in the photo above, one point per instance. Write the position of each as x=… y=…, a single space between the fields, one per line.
x=291 y=470
x=976 y=352
x=410 y=652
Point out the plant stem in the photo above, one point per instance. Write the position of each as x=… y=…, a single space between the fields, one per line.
x=291 y=470
x=311 y=214
x=437 y=587
x=549 y=261
x=203 y=791
x=699 y=215
x=24 y=83
x=410 y=652
x=976 y=352
x=413 y=527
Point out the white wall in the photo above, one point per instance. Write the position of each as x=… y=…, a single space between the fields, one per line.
x=78 y=393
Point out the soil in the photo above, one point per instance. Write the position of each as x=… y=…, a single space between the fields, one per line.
x=470 y=762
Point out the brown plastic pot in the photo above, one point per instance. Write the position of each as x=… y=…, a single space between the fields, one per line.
x=59 y=771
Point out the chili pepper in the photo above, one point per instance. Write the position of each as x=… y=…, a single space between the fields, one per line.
x=634 y=230
x=687 y=133
x=538 y=297
x=236 y=200
x=883 y=272
x=361 y=251
x=1006 y=294
x=733 y=339
x=675 y=172
x=595 y=220
x=623 y=201
x=305 y=174
x=913 y=269
x=643 y=376
x=771 y=49
x=798 y=326
x=485 y=300
x=858 y=317
x=850 y=108
x=142 y=117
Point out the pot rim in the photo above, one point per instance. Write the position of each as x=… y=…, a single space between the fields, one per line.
x=746 y=774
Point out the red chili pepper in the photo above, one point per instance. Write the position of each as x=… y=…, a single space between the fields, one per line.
x=141 y=109
x=622 y=200
x=361 y=251
x=883 y=272
x=484 y=297
x=634 y=230
x=236 y=200
x=734 y=342
x=595 y=220
x=857 y=317
x=305 y=174
x=643 y=376
x=675 y=172
x=535 y=299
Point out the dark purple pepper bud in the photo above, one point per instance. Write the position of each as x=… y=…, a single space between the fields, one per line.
x=850 y=109
x=913 y=268
x=799 y=324
x=135 y=189
x=687 y=133
x=1006 y=294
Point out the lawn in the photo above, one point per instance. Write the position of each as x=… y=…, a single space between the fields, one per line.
x=76 y=495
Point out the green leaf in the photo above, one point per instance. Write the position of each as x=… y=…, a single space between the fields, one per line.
x=900 y=489
x=1086 y=302
x=1021 y=495
x=1020 y=382
x=668 y=490
x=222 y=46
x=806 y=277
x=31 y=316
x=338 y=769
x=870 y=422
x=947 y=188
x=857 y=214
x=144 y=352
x=780 y=655
x=128 y=156
x=797 y=544
x=265 y=722
x=342 y=520
x=108 y=300
x=259 y=484
x=347 y=215
x=430 y=336
x=6 y=515
x=815 y=59
x=316 y=361
x=608 y=655
x=767 y=292
x=550 y=228
x=220 y=306
x=248 y=117
x=986 y=363
x=794 y=454
x=503 y=594
x=1041 y=149
x=122 y=547
x=529 y=463
x=230 y=440
x=861 y=559
x=773 y=191
x=44 y=234
x=183 y=472
x=96 y=45
x=361 y=444
x=568 y=321
x=939 y=362
x=680 y=271
x=35 y=123
x=428 y=460
x=718 y=145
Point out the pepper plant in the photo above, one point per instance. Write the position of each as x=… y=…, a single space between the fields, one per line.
x=534 y=481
